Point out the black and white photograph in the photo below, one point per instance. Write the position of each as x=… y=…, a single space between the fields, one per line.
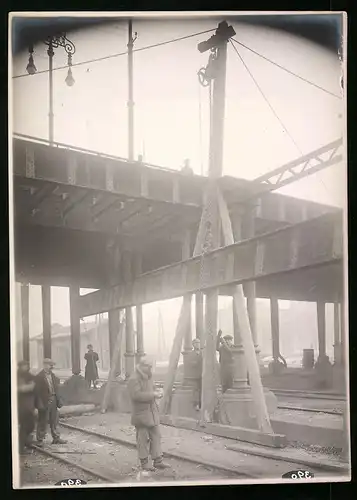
x=178 y=248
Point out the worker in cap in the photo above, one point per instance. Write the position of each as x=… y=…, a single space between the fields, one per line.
x=48 y=401
x=145 y=415
x=26 y=404
x=91 y=370
x=225 y=348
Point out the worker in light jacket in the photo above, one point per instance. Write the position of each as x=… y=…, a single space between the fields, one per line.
x=145 y=416
x=225 y=348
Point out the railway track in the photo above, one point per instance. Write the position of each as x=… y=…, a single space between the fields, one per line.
x=103 y=458
x=115 y=461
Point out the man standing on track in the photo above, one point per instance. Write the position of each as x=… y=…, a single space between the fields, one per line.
x=224 y=347
x=145 y=416
x=26 y=404
x=47 y=400
x=195 y=361
x=91 y=370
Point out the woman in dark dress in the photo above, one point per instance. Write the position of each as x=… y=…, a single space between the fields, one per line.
x=91 y=370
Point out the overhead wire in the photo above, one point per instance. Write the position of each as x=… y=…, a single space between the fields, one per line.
x=119 y=54
x=287 y=70
x=272 y=109
x=267 y=100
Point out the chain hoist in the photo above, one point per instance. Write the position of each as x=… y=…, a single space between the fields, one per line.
x=207 y=74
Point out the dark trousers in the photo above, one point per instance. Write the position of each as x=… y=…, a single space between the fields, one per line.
x=27 y=425
x=49 y=415
x=148 y=440
x=196 y=391
x=226 y=378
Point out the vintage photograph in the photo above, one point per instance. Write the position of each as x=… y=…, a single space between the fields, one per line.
x=178 y=244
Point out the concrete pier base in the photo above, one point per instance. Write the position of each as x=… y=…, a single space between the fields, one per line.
x=119 y=399
x=237 y=407
x=323 y=372
x=75 y=390
x=182 y=404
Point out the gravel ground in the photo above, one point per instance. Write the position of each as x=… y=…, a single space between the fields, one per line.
x=37 y=469
x=113 y=460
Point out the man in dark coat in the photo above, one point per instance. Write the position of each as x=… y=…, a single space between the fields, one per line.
x=224 y=347
x=47 y=400
x=145 y=415
x=195 y=361
x=91 y=370
x=26 y=404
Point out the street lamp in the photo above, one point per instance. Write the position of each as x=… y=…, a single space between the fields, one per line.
x=54 y=42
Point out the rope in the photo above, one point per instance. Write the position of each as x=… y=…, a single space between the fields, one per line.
x=266 y=99
x=287 y=70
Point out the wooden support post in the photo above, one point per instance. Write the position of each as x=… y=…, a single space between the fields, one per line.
x=25 y=299
x=129 y=325
x=344 y=334
x=209 y=381
x=321 y=328
x=250 y=287
x=186 y=254
x=242 y=321
x=46 y=320
x=337 y=334
x=75 y=330
x=199 y=315
x=139 y=316
x=113 y=329
x=113 y=367
x=274 y=318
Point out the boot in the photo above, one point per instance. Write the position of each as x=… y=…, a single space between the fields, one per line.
x=159 y=464
x=145 y=465
x=59 y=441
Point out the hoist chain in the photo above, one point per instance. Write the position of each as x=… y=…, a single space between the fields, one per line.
x=206 y=75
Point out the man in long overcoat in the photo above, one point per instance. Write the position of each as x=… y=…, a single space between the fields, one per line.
x=91 y=370
x=195 y=361
x=145 y=415
x=26 y=404
x=224 y=347
x=47 y=400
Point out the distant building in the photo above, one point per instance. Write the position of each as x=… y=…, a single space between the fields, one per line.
x=90 y=333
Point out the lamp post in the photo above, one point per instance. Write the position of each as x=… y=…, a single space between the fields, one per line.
x=53 y=42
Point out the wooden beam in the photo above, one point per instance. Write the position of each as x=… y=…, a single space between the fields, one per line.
x=199 y=315
x=46 y=320
x=241 y=320
x=274 y=318
x=75 y=330
x=25 y=296
x=232 y=264
x=321 y=327
x=139 y=314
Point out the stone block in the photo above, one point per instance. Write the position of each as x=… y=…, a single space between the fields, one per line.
x=237 y=407
x=182 y=403
x=75 y=390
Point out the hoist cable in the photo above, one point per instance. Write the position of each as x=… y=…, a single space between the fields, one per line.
x=287 y=70
x=267 y=100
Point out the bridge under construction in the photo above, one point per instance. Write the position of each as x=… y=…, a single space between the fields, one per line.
x=139 y=233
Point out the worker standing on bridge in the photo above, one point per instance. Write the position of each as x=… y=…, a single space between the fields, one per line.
x=224 y=347
x=47 y=401
x=91 y=370
x=145 y=416
x=195 y=361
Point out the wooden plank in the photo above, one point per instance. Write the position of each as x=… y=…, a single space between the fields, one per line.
x=25 y=296
x=46 y=320
x=168 y=282
x=115 y=356
x=241 y=319
x=75 y=330
x=274 y=318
